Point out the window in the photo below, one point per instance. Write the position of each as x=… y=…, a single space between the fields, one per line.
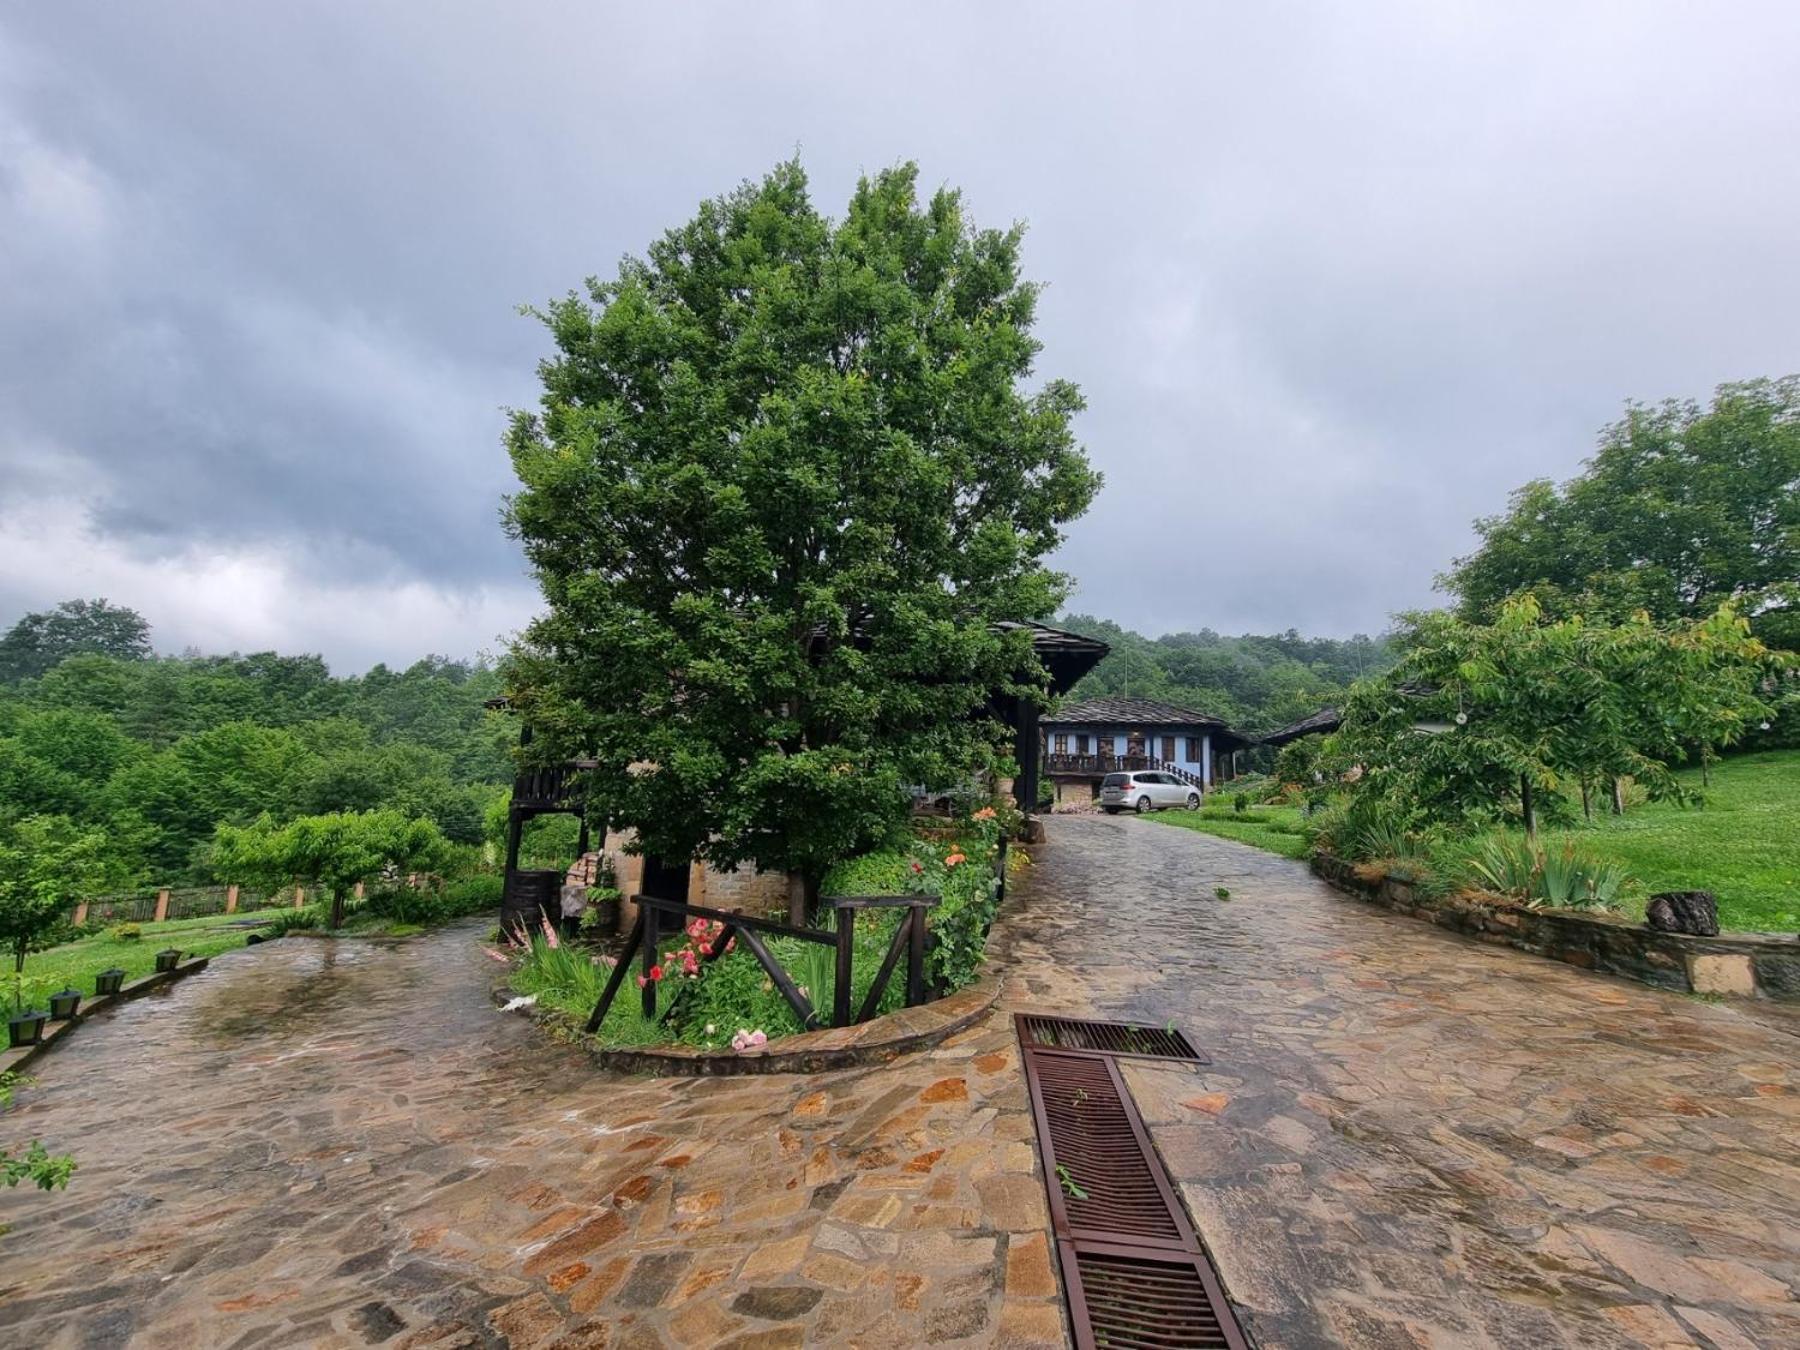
x=1081 y=743
x=1168 y=748
x=1062 y=743
x=1194 y=755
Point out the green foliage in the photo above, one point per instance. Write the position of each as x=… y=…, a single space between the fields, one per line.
x=1258 y=682
x=1274 y=828
x=125 y=932
x=45 y=1171
x=1563 y=876
x=1475 y=715
x=304 y=919
x=569 y=979
x=157 y=752
x=38 y=642
x=784 y=482
x=335 y=850
x=45 y=863
x=1681 y=509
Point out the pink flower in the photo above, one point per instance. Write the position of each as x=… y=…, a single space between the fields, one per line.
x=501 y=957
x=706 y=949
x=549 y=933
x=918 y=866
x=642 y=981
x=955 y=858
x=730 y=944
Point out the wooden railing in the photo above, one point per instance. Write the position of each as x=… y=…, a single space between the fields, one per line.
x=909 y=936
x=1098 y=765
x=552 y=789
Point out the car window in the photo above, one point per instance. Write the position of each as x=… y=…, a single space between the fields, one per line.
x=1117 y=780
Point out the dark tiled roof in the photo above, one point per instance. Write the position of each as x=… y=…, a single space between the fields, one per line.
x=1145 y=712
x=1326 y=719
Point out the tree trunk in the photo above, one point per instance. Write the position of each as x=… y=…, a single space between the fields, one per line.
x=1526 y=808
x=337 y=907
x=1618 y=796
x=1587 y=803
x=803 y=898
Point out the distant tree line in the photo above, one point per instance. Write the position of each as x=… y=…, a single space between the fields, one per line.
x=1255 y=682
x=153 y=753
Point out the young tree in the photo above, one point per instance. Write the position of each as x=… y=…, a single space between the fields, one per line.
x=783 y=488
x=39 y=641
x=335 y=851
x=1476 y=714
x=45 y=865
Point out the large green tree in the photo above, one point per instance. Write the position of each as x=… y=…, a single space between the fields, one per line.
x=1681 y=508
x=785 y=480
x=335 y=850
x=39 y=641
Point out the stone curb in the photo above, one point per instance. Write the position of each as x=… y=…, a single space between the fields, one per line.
x=1743 y=965
x=873 y=1042
x=55 y=1033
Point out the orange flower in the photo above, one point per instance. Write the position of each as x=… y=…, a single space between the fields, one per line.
x=954 y=859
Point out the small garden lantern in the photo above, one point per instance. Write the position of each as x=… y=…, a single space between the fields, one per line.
x=63 y=1005
x=168 y=959
x=108 y=982
x=27 y=1028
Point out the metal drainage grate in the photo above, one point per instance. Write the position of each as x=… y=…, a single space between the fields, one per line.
x=1132 y=1299
x=1132 y=1266
x=1104 y=1038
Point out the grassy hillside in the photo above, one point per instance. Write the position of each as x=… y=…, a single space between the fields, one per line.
x=1742 y=843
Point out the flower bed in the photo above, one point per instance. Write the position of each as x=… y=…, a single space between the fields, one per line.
x=729 y=1004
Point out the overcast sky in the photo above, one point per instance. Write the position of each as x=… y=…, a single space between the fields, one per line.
x=1333 y=278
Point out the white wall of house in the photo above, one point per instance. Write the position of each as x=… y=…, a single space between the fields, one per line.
x=1192 y=745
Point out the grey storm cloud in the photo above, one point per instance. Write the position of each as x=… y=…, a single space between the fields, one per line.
x=1334 y=279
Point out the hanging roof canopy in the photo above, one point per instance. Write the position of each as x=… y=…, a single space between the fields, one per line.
x=1320 y=723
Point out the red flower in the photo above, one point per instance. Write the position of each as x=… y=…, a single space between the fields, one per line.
x=706 y=949
x=656 y=972
x=917 y=867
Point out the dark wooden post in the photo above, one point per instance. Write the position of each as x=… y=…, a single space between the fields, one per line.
x=846 y=954
x=915 y=956
x=1525 y=806
x=652 y=927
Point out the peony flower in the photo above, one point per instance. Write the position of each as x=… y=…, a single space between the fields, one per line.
x=656 y=972
x=706 y=949
x=986 y=813
x=642 y=981
x=955 y=858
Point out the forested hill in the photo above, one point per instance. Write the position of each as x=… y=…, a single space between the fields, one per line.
x=156 y=751
x=1255 y=682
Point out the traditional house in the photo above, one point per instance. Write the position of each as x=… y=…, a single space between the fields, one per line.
x=1083 y=742
x=1321 y=723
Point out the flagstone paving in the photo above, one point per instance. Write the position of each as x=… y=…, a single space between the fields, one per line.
x=1404 y=1139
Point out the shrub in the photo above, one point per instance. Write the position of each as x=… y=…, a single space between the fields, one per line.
x=1240 y=802
x=1566 y=877
x=473 y=894
x=291 y=919
x=125 y=932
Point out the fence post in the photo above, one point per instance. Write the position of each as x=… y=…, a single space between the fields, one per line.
x=840 y=985
x=915 y=956
x=231 y=898
x=81 y=912
x=299 y=897
x=162 y=905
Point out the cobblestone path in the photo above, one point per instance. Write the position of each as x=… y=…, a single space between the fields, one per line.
x=1409 y=1139
x=1405 y=1139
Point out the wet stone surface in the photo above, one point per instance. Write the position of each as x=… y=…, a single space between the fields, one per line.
x=1408 y=1138
x=1405 y=1139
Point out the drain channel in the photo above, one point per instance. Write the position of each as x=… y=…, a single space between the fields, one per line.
x=1133 y=1268
x=1037 y=1032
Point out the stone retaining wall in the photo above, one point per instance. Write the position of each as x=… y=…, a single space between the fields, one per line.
x=1741 y=964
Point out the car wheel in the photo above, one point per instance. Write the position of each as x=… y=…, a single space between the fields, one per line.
x=1143 y=805
x=1193 y=801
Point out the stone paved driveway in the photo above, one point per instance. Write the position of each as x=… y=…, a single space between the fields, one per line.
x=1405 y=1139
x=1410 y=1139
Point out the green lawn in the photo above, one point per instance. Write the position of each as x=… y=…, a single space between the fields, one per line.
x=76 y=963
x=1742 y=844
x=1275 y=828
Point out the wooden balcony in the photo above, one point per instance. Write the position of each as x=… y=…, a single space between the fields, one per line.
x=1098 y=766
x=557 y=788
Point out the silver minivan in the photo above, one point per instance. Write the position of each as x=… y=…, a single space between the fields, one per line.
x=1150 y=790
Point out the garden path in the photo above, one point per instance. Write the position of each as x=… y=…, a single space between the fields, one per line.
x=1404 y=1139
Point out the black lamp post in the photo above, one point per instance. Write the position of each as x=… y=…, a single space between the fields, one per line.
x=27 y=1028
x=63 y=1005
x=167 y=960
x=108 y=982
